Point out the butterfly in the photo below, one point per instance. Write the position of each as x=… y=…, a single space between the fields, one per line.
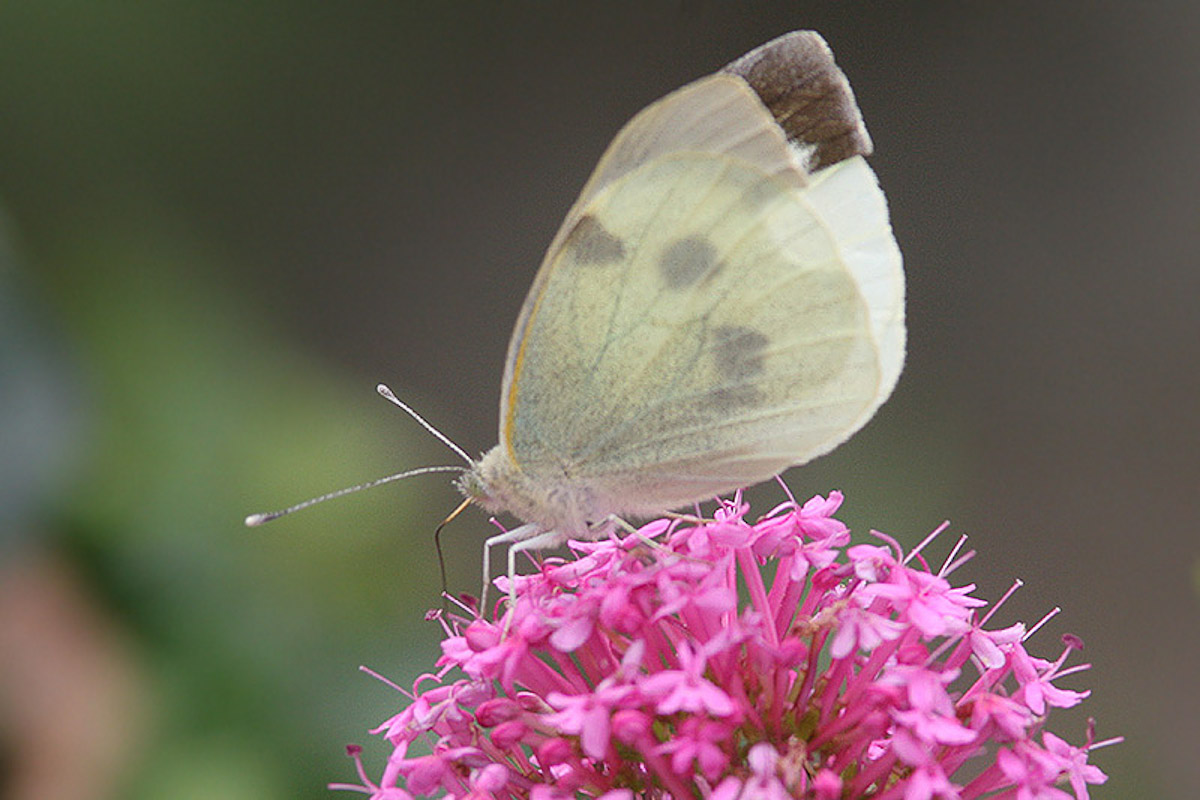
x=724 y=300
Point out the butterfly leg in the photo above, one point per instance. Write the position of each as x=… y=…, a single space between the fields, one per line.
x=527 y=531
x=608 y=525
x=612 y=523
x=541 y=541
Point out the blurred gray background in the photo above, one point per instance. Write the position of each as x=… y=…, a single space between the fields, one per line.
x=223 y=223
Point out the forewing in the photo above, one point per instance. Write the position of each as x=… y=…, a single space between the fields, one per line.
x=810 y=103
x=711 y=312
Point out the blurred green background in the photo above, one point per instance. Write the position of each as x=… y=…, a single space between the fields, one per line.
x=223 y=223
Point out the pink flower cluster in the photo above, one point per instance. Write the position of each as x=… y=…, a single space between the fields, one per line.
x=634 y=670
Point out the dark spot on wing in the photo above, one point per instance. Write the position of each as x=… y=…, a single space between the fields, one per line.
x=809 y=97
x=687 y=261
x=738 y=356
x=738 y=350
x=730 y=398
x=760 y=193
x=590 y=243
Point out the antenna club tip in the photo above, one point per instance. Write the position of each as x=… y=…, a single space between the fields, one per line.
x=383 y=389
x=254 y=520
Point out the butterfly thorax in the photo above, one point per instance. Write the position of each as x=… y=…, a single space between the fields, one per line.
x=499 y=485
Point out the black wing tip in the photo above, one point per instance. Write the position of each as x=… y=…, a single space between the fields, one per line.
x=797 y=79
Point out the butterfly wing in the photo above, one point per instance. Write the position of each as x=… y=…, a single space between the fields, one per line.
x=725 y=299
x=811 y=106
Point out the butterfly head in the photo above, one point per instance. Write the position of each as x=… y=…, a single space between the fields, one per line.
x=497 y=484
x=474 y=486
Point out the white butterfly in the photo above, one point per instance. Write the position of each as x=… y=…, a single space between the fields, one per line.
x=723 y=301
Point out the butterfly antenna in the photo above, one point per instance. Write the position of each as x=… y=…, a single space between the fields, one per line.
x=254 y=520
x=441 y=437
